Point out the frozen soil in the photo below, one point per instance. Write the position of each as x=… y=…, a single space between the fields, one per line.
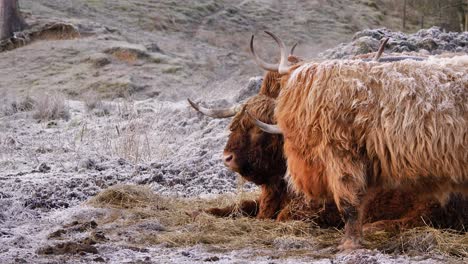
x=121 y=118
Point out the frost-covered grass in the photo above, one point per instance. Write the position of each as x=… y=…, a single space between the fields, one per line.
x=50 y=106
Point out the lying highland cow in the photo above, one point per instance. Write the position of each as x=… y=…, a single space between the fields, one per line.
x=352 y=128
x=258 y=157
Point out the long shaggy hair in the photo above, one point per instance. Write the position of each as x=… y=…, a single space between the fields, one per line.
x=271 y=84
x=372 y=124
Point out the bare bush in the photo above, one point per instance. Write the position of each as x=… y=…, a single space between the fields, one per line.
x=11 y=107
x=51 y=107
x=96 y=106
x=133 y=141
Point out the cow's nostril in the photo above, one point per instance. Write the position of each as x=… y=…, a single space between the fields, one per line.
x=228 y=158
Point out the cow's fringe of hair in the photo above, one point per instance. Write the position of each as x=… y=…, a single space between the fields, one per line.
x=271 y=85
x=259 y=106
x=403 y=123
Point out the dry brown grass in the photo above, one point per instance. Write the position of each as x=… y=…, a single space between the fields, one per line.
x=12 y=106
x=50 y=107
x=41 y=31
x=95 y=105
x=185 y=225
x=133 y=141
x=56 y=31
x=127 y=54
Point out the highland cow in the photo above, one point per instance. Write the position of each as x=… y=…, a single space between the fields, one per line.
x=354 y=127
x=247 y=143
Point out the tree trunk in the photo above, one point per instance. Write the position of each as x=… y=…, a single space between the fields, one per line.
x=404 y=15
x=466 y=20
x=10 y=18
x=439 y=5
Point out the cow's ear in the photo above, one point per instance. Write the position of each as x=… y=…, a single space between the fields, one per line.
x=292 y=59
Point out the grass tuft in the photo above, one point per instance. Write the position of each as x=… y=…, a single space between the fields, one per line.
x=50 y=107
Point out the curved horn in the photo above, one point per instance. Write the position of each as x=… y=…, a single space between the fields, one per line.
x=216 y=113
x=283 y=66
x=293 y=48
x=381 y=49
x=271 y=129
x=265 y=65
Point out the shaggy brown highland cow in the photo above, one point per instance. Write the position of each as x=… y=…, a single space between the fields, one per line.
x=389 y=209
x=354 y=127
x=258 y=157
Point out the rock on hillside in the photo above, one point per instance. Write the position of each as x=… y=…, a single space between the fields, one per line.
x=430 y=41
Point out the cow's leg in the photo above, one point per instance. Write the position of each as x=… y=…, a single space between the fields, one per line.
x=353 y=228
x=348 y=181
x=286 y=214
x=272 y=199
x=245 y=208
x=414 y=212
x=353 y=216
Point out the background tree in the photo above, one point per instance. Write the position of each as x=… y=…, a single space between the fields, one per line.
x=462 y=11
x=10 y=18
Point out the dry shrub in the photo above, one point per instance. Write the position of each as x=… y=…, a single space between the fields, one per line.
x=95 y=105
x=186 y=225
x=51 y=107
x=133 y=141
x=11 y=107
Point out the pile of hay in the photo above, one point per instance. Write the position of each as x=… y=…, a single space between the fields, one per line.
x=185 y=225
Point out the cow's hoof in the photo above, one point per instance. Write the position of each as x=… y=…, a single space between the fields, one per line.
x=348 y=245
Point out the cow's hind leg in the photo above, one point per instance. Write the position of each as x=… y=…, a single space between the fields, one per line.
x=352 y=213
x=353 y=217
x=244 y=208
x=348 y=171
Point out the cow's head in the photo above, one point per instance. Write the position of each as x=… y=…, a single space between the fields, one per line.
x=255 y=155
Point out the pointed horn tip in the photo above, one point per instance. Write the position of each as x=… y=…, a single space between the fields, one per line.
x=385 y=40
x=193 y=104
x=293 y=48
x=251 y=44
x=272 y=35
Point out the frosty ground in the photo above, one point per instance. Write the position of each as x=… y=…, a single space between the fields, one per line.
x=81 y=116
